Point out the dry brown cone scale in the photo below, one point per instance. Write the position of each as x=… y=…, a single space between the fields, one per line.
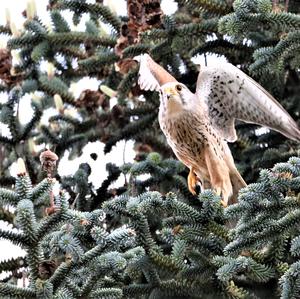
x=48 y=161
x=143 y=15
x=6 y=71
x=91 y=100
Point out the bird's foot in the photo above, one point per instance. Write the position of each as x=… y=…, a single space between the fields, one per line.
x=192 y=181
x=223 y=203
x=219 y=192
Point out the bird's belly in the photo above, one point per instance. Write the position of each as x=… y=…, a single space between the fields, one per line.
x=189 y=142
x=192 y=160
x=188 y=150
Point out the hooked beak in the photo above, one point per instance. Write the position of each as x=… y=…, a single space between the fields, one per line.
x=170 y=92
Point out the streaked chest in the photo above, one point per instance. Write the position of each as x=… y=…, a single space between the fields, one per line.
x=186 y=134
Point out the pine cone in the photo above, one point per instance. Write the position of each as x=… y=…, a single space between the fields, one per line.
x=141 y=150
x=143 y=15
x=117 y=113
x=135 y=11
x=104 y=120
x=5 y=68
x=103 y=72
x=153 y=14
x=48 y=160
x=47 y=268
x=125 y=65
x=136 y=90
x=52 y=4
x=91 y=100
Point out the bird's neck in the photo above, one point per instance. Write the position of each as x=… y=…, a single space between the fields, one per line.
x=172 y=108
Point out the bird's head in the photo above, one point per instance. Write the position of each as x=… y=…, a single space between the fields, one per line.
x=175 y=96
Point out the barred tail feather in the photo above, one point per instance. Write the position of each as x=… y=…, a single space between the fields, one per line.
x=237 y=183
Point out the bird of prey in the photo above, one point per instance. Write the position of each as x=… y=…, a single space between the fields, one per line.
x=198 y=125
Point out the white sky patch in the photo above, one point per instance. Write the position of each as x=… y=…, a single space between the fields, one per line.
x=85 y=83
x=261 y=131
x=3 y=97
x=120 y=154
x=44 y=65
x=168 y=6
x=5 y=131
x=247 y=42
x=143 y=177
x=211 y=37
x=14 y=169
x=25 y=109
x=47 y=113
x=119 y=7
x=8 y=249
x=211 y=59
x=113 y=101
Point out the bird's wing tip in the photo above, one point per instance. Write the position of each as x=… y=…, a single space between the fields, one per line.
x=141 y=57
x=146 y=80
x=295 y=132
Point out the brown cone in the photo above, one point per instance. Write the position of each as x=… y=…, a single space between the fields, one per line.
x=5 y=68
x=91 y=100
x=48 y=160
x=143 y=15
x=46 y=268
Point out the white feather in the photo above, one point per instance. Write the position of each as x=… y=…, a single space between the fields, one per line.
x=146 y=79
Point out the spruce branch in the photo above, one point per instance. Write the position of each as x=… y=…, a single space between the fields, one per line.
x=212 y=6
x=12 y=264
x=5 y=30
x=59 y=23
x=24 y=40
x=75 y=38
x=95 y=62
x=6 y=215
x=8 y=197
x=11 y=290
x=56 y=86
x=15 y=237
x=100 y=10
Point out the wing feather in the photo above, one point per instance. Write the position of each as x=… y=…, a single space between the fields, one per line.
x=151 y=74
x=230 y=94
x=146 y=79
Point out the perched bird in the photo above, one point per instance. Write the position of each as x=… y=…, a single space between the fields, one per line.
x=198 y=125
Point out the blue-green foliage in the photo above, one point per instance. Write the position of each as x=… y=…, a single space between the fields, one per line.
x=66 y=251
x=267 y=230
x=252 y=17
x=165 y=174
x=202 y=248
x=164 y=241
x=182 y=245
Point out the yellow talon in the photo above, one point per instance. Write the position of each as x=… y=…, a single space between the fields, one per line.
x=223 y=203
x=192 y=181
x=218 y=191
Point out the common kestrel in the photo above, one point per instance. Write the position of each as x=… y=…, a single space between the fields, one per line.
x=198 y=126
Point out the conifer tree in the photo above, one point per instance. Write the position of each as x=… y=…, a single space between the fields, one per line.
x=148 y=238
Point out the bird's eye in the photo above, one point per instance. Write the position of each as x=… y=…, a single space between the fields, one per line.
x=178 y=87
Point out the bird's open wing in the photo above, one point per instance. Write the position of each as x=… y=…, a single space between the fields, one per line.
x=230 y=94
x=151 y=74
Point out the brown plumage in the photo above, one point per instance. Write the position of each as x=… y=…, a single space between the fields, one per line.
x=198 y=126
